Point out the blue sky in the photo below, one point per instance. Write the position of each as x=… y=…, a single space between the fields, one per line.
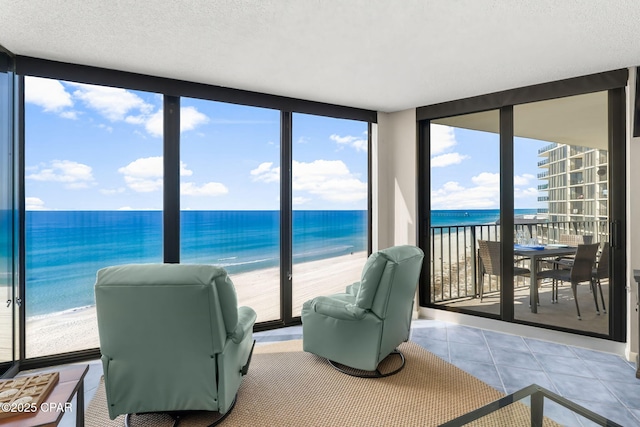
x=465 y=170
x=100 y=148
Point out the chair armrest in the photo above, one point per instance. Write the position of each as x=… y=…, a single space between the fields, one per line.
x=353 y=289
x=337 y=309
x=246 y=319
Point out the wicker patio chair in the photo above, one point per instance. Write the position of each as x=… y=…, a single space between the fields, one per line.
x=601 y=271
x=581 y=271
x=489 y=263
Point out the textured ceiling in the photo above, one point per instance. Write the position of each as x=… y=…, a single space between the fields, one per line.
x=381 y=55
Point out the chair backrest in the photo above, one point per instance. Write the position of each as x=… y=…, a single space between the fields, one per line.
x=388 y=288
x=602 y=270
x=583 y=263
x=571 y=239
x=489 y=252
x=160 y=326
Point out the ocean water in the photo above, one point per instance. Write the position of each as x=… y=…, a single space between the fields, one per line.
x=65 y=249
x=446 y=218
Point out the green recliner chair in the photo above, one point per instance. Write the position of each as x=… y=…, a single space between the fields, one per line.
x=361 y=327
x=172 y=338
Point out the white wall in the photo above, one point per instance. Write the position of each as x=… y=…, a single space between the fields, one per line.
x=394 y=176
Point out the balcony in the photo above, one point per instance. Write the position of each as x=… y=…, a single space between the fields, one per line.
x=542 y=163
x=454 y=269
x=543 y=198
x=547 y=148
x=543 y=175
x=543 y=186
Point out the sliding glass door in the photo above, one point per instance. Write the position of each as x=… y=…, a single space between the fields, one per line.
x=555 y=169
x=561 y=146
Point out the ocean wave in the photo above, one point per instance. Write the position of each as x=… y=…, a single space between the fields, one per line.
x=234 y=264
x=227 y=258
x=60 y=313
x=323 y=251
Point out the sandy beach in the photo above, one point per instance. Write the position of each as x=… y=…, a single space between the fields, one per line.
x=77 y=329
x=452 y=261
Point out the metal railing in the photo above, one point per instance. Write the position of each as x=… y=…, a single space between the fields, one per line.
x=454 y=263
x=547 y=148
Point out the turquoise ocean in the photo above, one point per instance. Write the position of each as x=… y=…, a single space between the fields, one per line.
x=65 y=249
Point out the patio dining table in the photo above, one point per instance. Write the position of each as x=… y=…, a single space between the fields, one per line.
x=536 y=254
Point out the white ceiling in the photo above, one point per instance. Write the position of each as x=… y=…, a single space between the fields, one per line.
x=384 y=55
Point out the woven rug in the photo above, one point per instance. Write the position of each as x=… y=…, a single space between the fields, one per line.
x=288 y=387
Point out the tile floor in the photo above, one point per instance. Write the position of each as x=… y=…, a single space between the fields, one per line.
x=602 y=382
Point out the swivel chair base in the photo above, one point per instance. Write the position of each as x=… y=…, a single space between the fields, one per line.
x=179 y=415
x=354 y=372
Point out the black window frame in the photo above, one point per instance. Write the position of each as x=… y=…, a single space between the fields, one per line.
x=614 y=83
x=173 y=90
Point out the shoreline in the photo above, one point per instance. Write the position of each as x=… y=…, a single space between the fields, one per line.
x=77 y=329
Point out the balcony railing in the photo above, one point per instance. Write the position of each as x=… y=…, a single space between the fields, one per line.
x=543 y=186
x=543 y=175
x=454 y=265
x=547 y=148
x=543 y=162
x=543 y=198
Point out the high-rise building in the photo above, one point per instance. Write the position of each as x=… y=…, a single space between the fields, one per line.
x=576 y=183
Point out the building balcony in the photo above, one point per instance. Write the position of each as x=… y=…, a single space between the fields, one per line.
x=542 y=175
x=543 y=186
x=547 y=148
x=543 y=163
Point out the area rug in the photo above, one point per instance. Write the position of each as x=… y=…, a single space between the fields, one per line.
x=288 y=387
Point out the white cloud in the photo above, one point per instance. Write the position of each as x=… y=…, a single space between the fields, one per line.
x=145 y=175
x=48 y=94
x=72 y=115
x=524 y=179
x=208 y=189
x=190 y=118
x=358 y=143
x=442 y=138
x=484 y=194
x=522 y=193
x=265 y=173
x=331 y=180
x=297 y=201
x=112 y=191
x=75 y=175
x=33 y=203
x=454 y=196
x=448 y=159
x=487 y=179
x=112 y=103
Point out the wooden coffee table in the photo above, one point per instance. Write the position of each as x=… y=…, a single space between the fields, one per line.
x=71 y=383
